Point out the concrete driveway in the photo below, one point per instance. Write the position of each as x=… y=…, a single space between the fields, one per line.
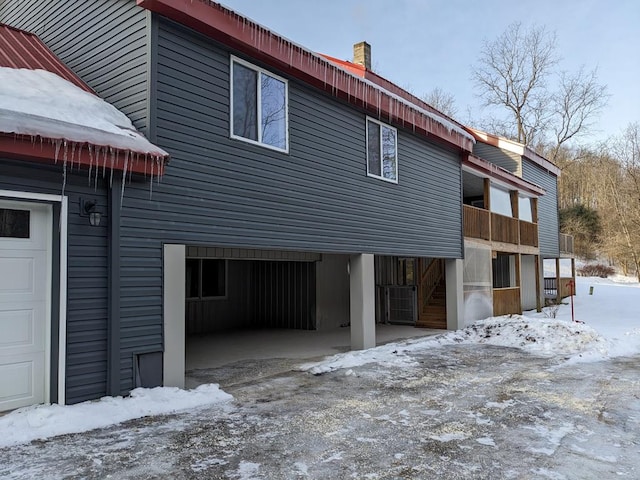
x=465 y=411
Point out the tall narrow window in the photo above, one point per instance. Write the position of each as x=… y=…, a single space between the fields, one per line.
x=258 y=106
x=382 y=151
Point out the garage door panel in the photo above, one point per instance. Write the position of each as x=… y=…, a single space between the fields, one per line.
x=20 y=382
x=20 y=329
x=25 y=272
x=25 y=263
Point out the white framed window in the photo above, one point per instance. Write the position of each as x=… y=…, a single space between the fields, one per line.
x=259 y=106
x=206 y=278
x=382 y=151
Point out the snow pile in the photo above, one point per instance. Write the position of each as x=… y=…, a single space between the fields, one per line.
x=538 y=336
x=608 y=326
x=40 y=103
x=43 y=421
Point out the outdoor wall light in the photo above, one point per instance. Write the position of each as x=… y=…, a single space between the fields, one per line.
x=94 y=215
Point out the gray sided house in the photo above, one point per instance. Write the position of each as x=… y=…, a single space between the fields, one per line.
x=55 y=220
x=299 y=194
x=517 y=201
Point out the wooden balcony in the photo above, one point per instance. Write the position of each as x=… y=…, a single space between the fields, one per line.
x=477 y=223
x=566 y=243
x=506 y=301
x=485 y=225
x=528 y=233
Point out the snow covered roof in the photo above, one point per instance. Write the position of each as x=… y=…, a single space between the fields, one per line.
x=40 y=103
x=41 y=99
x=242 y=34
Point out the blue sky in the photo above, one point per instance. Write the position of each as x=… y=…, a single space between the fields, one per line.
x=423 y=44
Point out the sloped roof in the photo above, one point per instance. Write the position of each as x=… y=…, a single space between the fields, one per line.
x=514 y=147
x=41 y=98
x=252 y=39
x=20 y=49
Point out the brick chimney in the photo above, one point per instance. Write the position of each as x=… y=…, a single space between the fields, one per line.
x=362 y=54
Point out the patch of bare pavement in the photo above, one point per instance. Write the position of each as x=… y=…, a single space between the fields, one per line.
x=463 y=412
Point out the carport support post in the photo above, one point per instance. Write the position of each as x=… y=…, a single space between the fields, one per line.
x=362 y=301
x=453 y=272
x=173 y=313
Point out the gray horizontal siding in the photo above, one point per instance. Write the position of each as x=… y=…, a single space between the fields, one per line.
x=223 y=192
x=86 y=359
x=548 y=225
x=508 y=160
x=102 y=41
x=317 y=198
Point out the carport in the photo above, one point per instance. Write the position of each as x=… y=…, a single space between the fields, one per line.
x=228 y=305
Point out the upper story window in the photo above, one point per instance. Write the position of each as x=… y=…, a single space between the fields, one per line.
x=500 y=201
x=525 y=212
x=258 y=106
x=382 y=151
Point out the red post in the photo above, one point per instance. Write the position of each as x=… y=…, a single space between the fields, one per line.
x=571 y=286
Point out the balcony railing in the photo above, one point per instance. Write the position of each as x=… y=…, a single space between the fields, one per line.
x=506 y=301
x=486 y=225
x=477 y=223
x=504 y=229
x=566 y=243
x=528 y=233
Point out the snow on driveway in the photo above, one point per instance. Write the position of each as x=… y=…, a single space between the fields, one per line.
x=509 y=397
x=608 y=326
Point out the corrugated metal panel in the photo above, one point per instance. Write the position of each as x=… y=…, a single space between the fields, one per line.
x=548 y=224
x=103 y=42
x=260 y=294
x=508 y=160
x=282 y=295
x=251 y=254
x=87 y=273
x=20 y=49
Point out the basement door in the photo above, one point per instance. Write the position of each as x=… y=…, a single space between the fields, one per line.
x=25 y=281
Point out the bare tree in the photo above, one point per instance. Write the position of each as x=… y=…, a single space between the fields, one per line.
x=515 y=72
x=512 y=72
x=579 y=99
x=441 y=101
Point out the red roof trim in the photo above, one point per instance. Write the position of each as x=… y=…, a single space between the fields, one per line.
x=354 y=68
x=44 y=150
x=240 y=33
x=492 y=170
x=19 y=49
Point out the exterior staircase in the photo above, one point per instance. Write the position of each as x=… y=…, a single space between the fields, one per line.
x=433 y=309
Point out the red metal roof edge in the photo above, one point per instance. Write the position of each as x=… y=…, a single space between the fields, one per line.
x=494 y=171
x=248 y=37
x=354 y=68
x=23 y=147
x=21 y=49
x=389 y=85
x=527 y=152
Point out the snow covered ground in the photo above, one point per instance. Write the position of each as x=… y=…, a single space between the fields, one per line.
x=457 y=405
x=607 y=326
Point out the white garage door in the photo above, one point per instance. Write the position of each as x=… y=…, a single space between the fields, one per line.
x=25 y=259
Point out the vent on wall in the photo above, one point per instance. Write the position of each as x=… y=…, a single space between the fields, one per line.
x=148 y=369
